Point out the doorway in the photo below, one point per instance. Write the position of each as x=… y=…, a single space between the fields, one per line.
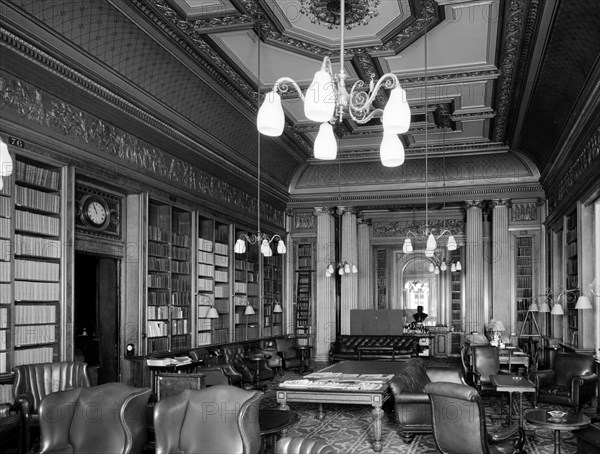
x=97 y=315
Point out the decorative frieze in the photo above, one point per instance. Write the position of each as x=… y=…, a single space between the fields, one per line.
x=401 y=228
x=304 y=221
x=523 y=212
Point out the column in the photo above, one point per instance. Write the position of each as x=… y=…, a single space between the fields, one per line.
x=487 y=265
x=349 y=253
x=323 y=322
x=474 y=288
x=289 y=271
x=500 y=261
x=365 y=265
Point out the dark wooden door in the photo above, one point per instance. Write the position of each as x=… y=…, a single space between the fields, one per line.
x=108 y=319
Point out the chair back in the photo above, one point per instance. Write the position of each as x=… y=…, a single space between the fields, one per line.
x=103 y=419
x=220 y=419
x=171 y=384
x=458 y=418
x=39 y=380
x=568 y=365
x=486 y=361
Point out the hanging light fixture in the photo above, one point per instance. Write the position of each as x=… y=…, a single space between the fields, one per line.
x=341 y=268
x=260 y=238
x=277 y=309
x=327 y=100
x=6 y=162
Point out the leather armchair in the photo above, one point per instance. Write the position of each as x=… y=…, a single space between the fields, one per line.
x=571 y=381
x=215 y=373
x=459 y=425
x=413 y=409
x=221 y=418
x=287 y=352
x=236 y=355
x=103 y=419
x=486 y=362
x=34 y=381
x=299 y=445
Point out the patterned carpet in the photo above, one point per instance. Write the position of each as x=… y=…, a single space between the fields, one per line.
x=348 y=428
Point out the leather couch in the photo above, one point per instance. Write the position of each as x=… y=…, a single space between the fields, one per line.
x=412 y=406
x=34 y=381
x=373 y=348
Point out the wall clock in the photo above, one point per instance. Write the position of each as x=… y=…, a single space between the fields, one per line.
x=98 y=212
x=95 y=212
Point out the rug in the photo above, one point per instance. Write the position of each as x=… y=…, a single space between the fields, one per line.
x=348 y=428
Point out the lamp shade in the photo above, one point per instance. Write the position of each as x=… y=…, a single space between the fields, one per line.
x=277 y=309
x=347 y=268
x=443 y=266
x=458 y=265
x=281 y=248
x=557 y=309
x=436 y=270
x=453 y=267
x=431 y=243
x=396 y=113
x=451 y=245
x=249 y=310
x=354 y=269
x=271 y=119
x=6 y=163
x=212 y=313
x=325 y=143
x=240 y=246
x=265 y=248
x=544 y=307
x=319 y=101
x=533 y=307
x=391 y=150
x=407 y=247
x=583 y=302
x=498 y=326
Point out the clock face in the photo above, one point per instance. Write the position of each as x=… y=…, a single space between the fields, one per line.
x=95 y=213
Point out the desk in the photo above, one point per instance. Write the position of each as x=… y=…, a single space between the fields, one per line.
x=570 y=421
x=271 y=423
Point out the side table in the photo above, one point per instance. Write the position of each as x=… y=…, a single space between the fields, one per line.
x=304 y=356
x=272 y=422
x=570 y=421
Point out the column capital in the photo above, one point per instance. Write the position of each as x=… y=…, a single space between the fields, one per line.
x=494 y=203
x=474 y=204
x=364 y=221
x=346 y=209
x=324 y=210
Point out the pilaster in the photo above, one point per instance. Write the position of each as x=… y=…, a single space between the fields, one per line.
x=500 y=262
x=349 y=253
x=474 y=289
x=365 y=264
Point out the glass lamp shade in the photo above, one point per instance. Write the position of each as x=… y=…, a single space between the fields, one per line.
x=347 y=268
x=583 y=302
x=271 y=119
x=277 y=309
x=498 y=326
x=354 y=269
x=396 y=113
x=451 y=245
x=458 y=266
x=443 y=266
x=265 y=248
x=431 y=267
x=319 y=100
x=6 y=162
x=325 y=143
x=327 y=273
x=212 y=313
x=557 y=309
x=249 y=310
x=533 y=307
x=436 y=270
x=240 y=246
x=544 y=307
x=341 y=271
x=431 y=243
x=391 y=150
x=453 y=267
x=330 y=269
x=281 y=248
x=407 y=247
x=429 y=252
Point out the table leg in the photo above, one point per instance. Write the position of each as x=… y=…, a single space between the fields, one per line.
x=321 y=413
x=557 y=442
x=377 y=424
x=282 y=400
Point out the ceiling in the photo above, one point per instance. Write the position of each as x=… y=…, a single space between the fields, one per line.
x=489 y=105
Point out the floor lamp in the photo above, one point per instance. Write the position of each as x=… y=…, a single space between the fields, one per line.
x=533 y=307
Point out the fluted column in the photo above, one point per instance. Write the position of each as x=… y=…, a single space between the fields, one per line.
x=365 y=265
x=474 y=289
x=323 y=322
x=500 y=261
x=487 y=265
x=349 y=253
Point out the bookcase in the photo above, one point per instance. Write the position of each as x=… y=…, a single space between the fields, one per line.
x=246 y=290
x=30 y=264
x=524 y=282
x=213 y=281
x=571 y=273
x=272 y=288
x=168 y=309
x=456 y=291
x=304 y=273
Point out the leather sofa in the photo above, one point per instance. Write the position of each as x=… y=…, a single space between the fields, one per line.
x=412 y=406
x=373 y=348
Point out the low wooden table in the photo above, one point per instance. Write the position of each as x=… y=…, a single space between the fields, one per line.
x=360 y=389
x=571 y=421
x=272 y=422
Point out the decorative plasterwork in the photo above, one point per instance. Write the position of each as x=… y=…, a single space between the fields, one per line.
x=35 y=106
x=524 y=212
x=402 y=228
x=304 y=221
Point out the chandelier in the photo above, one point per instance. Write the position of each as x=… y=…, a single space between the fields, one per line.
x=6 y=163
x=259 y=238
x=328 y=12
x=417 y=286
x=341 y=267
x=442 y=264
x=327 y=100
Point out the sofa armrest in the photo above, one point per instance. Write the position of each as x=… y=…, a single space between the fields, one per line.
x=542 y=378
x=447 y=374
x=582 y=383
x=412 y=398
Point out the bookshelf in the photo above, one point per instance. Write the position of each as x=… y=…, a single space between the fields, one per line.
x=36 y=266
x=6 y=275
x=168 y=309
x=246 y=291
x=272 y=288
x=524 y=282
x=456 y=291
x=213 y=286
x=571 y=273
x=304 y=272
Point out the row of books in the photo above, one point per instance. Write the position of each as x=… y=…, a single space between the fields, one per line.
x=5 y=293
x=38 y=200
x=204 y=324
x=180 y=327
x=158 y=298
x=158 y=280
x=157 y=328
x=181 y=298
x=37 y=291
x=37 y=247
x=38 y=176
x=157 y=312
x=179 y=253
x=205 y=245
x=34 y=334
x=34 y=355
x=159 y=264
x=37 y=223
x=158 y=249
x=35 y=313
x=5 y=228
x=36 y=270
x=158 y=234
x=206 y=285
x=158 y=344
x=3 y=337
x=207 y=258
x=5 y=206
x=5 y=269
x=181 y=285
x=3 y=370
x=183 y=240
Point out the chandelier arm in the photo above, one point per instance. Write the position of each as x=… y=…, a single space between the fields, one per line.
x=358 y=106
x=283 y=86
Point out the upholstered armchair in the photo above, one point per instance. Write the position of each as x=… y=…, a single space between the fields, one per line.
x=571 y=381
x=215 y=373
x=219 y=419
x=33 y=382
x=299 y=445
x=413 y=410
x=236 y=355
x=459 y=425
x=103 y=419
x=287 y=352
x=485 y=363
